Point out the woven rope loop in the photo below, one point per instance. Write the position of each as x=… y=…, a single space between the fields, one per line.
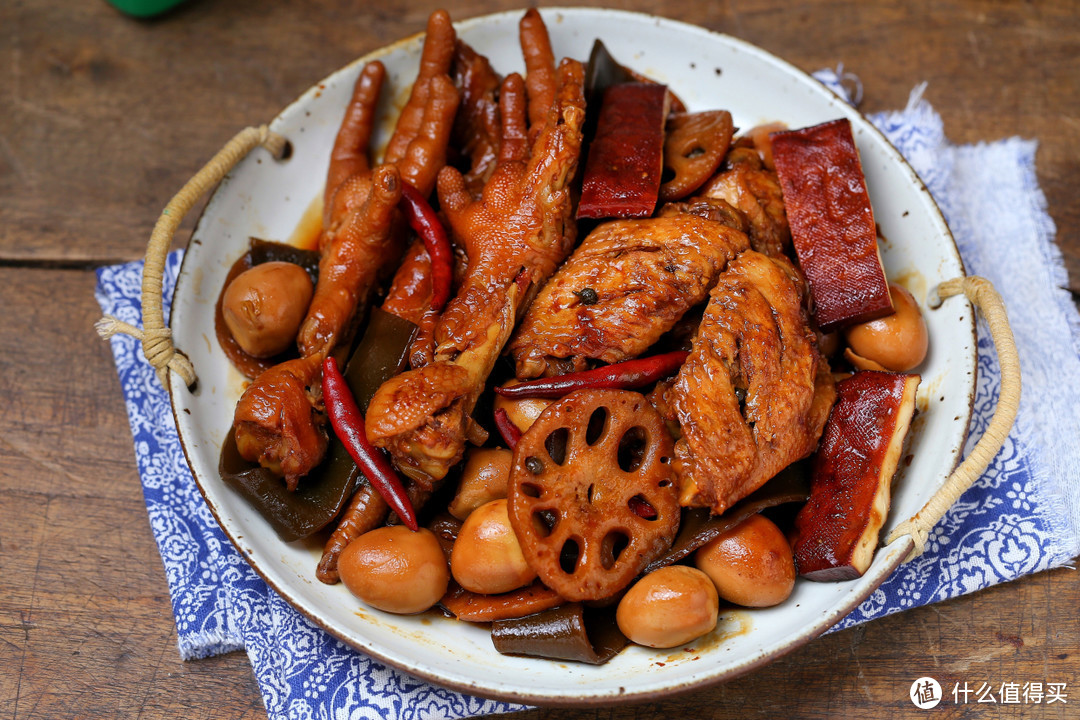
x=980 y=292
x=156 y=338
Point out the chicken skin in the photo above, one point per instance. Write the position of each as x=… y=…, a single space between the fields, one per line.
x=748 y=185
x=754 y=394
x=627 y=283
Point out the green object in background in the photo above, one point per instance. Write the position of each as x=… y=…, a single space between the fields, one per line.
x=144 y=8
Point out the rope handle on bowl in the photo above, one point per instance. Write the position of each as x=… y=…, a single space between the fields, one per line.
x=156 y=337
x=981 y=293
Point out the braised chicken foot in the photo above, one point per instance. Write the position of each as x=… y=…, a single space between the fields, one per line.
x=278 y=422
x=515 y=235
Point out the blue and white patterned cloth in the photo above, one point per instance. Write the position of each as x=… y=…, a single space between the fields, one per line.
x=1021 y=517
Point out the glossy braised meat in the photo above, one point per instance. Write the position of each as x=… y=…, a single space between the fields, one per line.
x=362 y=228
x=748 y=185
x=409 y=296
x=628 y=283
x=754 y=394
x=515 y=235
x=351 y=259
x=277 y=424
x=541 y=79
x=477 y=134
x=715 y=209
x=278 y=420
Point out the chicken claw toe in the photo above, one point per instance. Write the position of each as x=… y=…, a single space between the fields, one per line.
x=512 y=111
x=515 y=234
x=362 y=240
x=539 y=66
x=425 y=153
x=349 y=156
x=435 y=60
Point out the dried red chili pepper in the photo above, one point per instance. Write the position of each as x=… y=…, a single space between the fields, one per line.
x=425 y=223
x=507 y=428
x=620 y=376
x=348 y=425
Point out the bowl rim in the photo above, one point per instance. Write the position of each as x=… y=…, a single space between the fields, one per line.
x=899 y=549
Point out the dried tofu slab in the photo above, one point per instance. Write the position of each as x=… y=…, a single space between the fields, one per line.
x=832 y=223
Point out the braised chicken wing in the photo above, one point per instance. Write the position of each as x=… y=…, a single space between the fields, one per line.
x=276 y=421
x=627 y=283
x=515 y=235
x=754 y=394
x=715 y=209
x=748 y=185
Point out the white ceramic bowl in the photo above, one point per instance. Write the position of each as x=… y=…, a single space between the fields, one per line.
x=267 y=199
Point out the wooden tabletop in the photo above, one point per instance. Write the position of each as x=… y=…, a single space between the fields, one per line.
x=102 y=119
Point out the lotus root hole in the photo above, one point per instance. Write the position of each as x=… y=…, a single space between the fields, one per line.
x=642 y=507
x=569 y=555
x=555 y=444
x=632 y=448
x=614 y=543
x=544 y=522
x=597 y=424
x=530 y=489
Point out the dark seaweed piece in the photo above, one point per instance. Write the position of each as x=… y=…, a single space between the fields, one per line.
x=306 y=510
x=263 y=251
x=380 y=354
x=569 y=632
x=602 y=72
x=320 y=496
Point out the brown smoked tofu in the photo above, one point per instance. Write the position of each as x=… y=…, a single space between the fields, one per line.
x=832 y=223
x=626 y=158
x=851 y=481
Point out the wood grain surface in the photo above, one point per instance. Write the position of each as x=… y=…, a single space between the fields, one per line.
x=102 y=119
